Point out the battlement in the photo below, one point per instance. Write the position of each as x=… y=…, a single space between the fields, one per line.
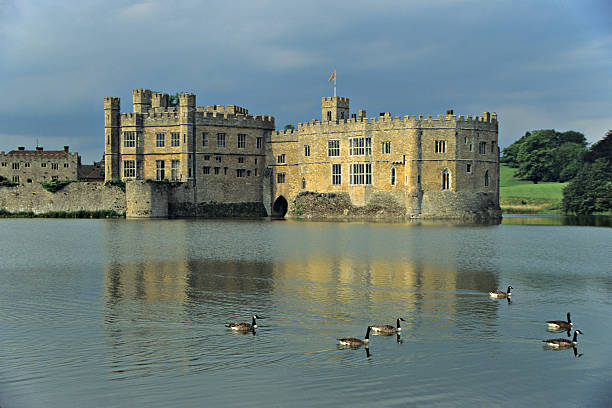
x=231 y=109
x=160 y=100
x=334 y=99
x=112 y=102
x=187 y=99
x=415 y=120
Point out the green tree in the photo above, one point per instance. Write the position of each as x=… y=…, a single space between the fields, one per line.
x=509 y=153
x=289 y=127
x=173 y=100
x=601 y=149
x=591 y=190
x=567 y=161
x=535 y=157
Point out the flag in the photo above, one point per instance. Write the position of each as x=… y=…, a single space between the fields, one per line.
x=333 y=76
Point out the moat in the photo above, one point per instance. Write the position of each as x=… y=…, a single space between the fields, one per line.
x=115 y=313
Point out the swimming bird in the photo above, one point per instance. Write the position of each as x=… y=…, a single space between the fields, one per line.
x=387 y=329
x=500 y=295
x=354 y=342
x=560 y=324
x=563 y=343
x=244 y=326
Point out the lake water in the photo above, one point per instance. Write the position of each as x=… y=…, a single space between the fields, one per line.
x=116 y=313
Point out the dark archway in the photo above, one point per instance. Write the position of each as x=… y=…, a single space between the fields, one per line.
x=279 y=209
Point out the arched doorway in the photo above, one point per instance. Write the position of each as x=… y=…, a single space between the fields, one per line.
x=279 y=209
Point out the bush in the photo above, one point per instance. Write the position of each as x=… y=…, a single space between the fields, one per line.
x=117 y=183
x=56 y=185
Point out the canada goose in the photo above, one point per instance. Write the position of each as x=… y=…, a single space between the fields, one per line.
x=500 y=295
x=244 y=326
x=354 y=342
x=560 y=324
x=387 y=329
x=563 y=343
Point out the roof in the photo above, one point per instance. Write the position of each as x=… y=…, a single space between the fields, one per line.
x=39 y=153
x=91 y=172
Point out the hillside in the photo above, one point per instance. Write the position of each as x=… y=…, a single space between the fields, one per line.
x=523 y=197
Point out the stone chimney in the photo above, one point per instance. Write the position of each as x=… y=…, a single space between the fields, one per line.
x=21 y=148
x=66 y=149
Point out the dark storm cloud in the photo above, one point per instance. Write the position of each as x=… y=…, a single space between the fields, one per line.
x=538 y=64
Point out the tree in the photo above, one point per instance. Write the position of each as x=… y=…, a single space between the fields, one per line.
x=568 y=161
x=173 y=100
x=591 y=190
x=509 y=154
x=535 y=157
x=601 y=149
x=289 y=127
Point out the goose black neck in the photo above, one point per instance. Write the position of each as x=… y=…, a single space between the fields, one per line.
x=367 y=336
x=254 y=322
x=509 y=287
x=568 y=318
x=398 y=323
x=575 y=336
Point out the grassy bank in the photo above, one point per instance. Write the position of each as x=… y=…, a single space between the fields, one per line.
x=62 y=214
x=524 y=197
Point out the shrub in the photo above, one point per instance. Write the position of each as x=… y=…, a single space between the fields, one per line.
x=56 y=185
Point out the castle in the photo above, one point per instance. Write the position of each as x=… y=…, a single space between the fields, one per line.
x=182 y=161
x=31 y=166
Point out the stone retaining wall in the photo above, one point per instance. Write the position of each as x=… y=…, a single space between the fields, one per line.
x=76 y=196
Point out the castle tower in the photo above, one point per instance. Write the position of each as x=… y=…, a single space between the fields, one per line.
x=187 y=108
x=141 y=99
x=160 y=100
x=334 y=108
x=112 y=128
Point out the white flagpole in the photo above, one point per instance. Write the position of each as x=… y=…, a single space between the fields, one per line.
x=335 y=75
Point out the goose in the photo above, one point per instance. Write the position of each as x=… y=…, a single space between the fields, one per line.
x=563 y=343
x=354 y=342
x=387 y=329
x=244 y=326
x=500 y=295
x=560 y=324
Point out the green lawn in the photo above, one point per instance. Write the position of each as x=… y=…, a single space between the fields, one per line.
x=518 y=196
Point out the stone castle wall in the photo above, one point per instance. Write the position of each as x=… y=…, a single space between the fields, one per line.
x=74 y=197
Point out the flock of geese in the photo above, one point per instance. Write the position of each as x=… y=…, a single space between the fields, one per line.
x=553 y=325
x=389 y=330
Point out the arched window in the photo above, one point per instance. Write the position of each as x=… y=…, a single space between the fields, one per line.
x=445 y=180
x=487 y=178
x=329 y=115
x=392 y=176
x=303 y=183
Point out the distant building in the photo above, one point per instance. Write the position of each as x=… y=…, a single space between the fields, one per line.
x=92 y=172
x=30 y=166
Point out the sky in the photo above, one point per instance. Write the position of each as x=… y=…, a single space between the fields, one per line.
x=539 y=64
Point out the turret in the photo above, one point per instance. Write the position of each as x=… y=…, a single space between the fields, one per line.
x=334 y=108
x=160 y=100
x=187 y=109
x=112 y=127
x=141 y=99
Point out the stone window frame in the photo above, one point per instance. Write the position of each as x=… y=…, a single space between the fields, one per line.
x=306 y=150
x=259 y=142
x=217 y=170
x=486 y=179
x=129 y=138
x=206 y=170
x=15 y=166
x=446 y=185
x=204 y=139
x=336 y=172
x=393 y=176
x=218 y=159
x=175 y=168
x=360 y=146
x=15 y=179
x=240 y=173
x=360 y=174
x=482 y=147
x=27 y=164
x=66 y=165
x=468 y=168
x=280 y=159
x=160 y=170
x=440 y=146
x=54 y=178
x=129 y=168
x=386 y=147
x=333 y=147
x=241 y=159
x=221 y=141
x=54 y=166
x=206 y=157
x=43 y=164
x=241 y=139
x=175 y=139
x=160 y=139
x=3 y=164
x=280 y=178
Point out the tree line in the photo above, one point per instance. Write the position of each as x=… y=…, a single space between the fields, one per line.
x=549 y=155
